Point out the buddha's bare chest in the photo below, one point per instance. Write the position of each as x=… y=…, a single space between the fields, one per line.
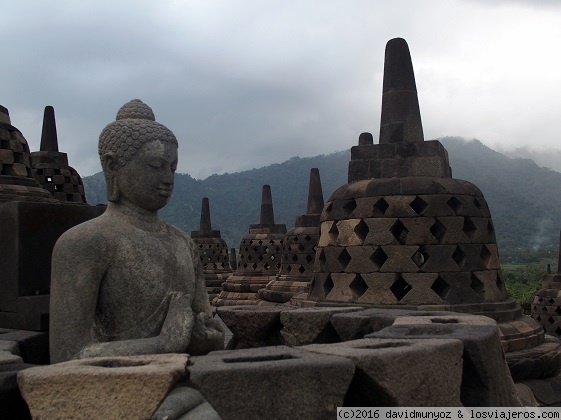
x=143 y=271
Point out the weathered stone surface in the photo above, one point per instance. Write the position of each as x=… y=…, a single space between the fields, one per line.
x=486 y=380
x=291 y=382
x=310 y=325
x=253 y=326
x=389 y=372
x=546 y=391
x=355 y=325
x=32 y=346
x=104 y=387
x=187 y=401
x=539 y=362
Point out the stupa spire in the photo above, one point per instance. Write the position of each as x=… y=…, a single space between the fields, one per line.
x=267 y=214
x=315 y=193
x=205 y=225
x=401 y=117
x=49 y=139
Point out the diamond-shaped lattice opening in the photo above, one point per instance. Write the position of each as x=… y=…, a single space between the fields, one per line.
x=358 y=287
x=544 y=309
x=379 y=257
x=294 y=257
x=307 y=238
x=490 y=228
x=400 y=288
x=438 y=230
x=551 y=301
x=476 y=285
x=260 y=257
x=288 y=268
x=301 y=269
x=256 y=249
x=440 y=287
x=418 y=205
x=469 y=228
x=485 y=255
x=380 y=207
x=454 y=204
x=550 y=320
x=254 y=266
x=322 y=259
x=399 y=231
x=200 y=246
x=266 y=266
x=344 y=258
x=499 y=282
x=272 y=257
x=295 y=238
x=309 y=258
x=361 y=230
x=538 y=318
x=420 y=257
x=477 y=203
x=327 y=285
x=459 y=256
x=301 y=248
x=349 y=206
x=266 y=250
x=328 y=209
x=333 y=232
x=558 y=311
x=249 y=257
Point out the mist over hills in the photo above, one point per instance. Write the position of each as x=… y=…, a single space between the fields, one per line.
x=524 y=198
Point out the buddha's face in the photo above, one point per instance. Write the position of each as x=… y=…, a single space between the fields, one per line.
x=146 y=180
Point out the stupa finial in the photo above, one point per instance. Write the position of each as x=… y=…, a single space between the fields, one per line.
x=49 y=138
x=401 y=118
x=267 y=214
x=315 y=193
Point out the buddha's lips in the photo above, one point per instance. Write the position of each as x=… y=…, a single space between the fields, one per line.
x=166 y=192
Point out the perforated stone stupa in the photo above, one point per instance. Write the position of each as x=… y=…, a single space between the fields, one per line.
x=259 y=258
x=298 y=250
x=404 y=233
x=50 y=167
x=213 y=251
x=16 y=177
x=546 y=303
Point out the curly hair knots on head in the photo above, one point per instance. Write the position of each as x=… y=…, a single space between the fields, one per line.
x=135 y=125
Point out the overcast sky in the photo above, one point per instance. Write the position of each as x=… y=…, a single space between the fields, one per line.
x=247 y=83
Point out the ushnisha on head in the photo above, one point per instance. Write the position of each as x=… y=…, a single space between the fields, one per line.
x=121 y=140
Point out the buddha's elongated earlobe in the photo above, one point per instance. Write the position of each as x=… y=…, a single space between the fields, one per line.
x=109 y=163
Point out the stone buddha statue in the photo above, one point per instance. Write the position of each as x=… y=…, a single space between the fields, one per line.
x=128 y=283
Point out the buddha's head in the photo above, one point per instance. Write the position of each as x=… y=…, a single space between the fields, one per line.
x=138 y=157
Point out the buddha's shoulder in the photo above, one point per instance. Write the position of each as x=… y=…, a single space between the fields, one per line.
x=92 y=234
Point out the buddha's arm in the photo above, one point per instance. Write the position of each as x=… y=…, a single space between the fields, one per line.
x=76 y=274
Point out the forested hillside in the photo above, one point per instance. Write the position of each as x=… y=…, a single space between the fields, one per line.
x=525 y=199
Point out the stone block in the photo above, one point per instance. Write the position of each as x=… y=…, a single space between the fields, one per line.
x=32 y=346
x=399 y=206
x=102 y=387
x=429 y=166
x=8 y=358
x=388 y=372
x=29 y=232
x=379 y=232
x=6 y=156
x=187 y=402
x=253 y=326
x=310 y=325
x=382 y=187
x=486 y=381
x=291 y=383
x=439 y=258
x=419 y=230
x=399 y=259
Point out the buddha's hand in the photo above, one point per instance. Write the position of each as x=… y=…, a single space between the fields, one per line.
x=177 y=327
x=207 y=335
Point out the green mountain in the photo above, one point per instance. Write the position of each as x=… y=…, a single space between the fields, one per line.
x=525 y=199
